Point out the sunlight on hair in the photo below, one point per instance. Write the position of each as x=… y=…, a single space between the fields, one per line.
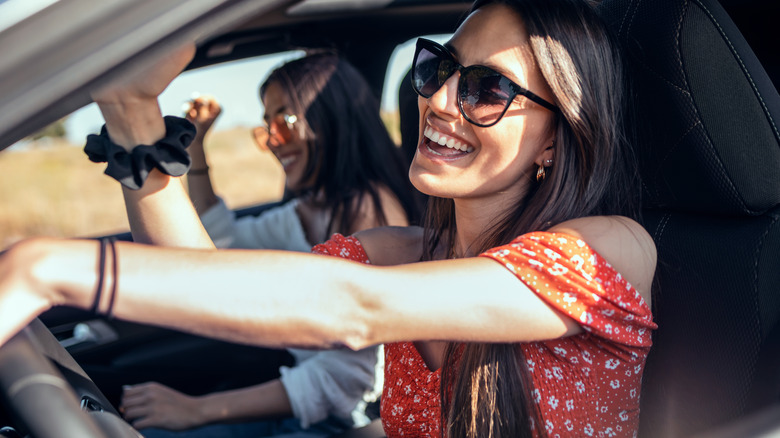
x=558 y=68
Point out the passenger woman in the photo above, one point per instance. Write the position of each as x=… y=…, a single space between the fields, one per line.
x=343 y=174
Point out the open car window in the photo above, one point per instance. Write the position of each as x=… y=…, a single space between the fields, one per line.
x=34 y=201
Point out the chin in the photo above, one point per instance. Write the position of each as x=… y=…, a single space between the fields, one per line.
x=293 y=183
x=420 y=182
x=432 y=186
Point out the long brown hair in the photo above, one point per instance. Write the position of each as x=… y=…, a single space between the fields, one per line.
x=486 y=388
x=351 y=153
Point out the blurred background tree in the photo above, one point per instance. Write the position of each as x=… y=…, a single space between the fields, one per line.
x=55 y=130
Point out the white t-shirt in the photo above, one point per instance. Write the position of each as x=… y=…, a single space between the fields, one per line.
x=323 y=383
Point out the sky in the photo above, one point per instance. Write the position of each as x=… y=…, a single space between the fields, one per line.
x=235 y=86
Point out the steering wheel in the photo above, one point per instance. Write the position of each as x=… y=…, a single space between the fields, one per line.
x=49 y=393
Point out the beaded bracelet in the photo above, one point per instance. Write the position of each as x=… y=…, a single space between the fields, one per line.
x=132 y=168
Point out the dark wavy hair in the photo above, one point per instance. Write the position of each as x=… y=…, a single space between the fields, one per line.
x=351 y=153
x=486 y=387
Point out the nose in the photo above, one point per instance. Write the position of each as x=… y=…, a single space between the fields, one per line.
x=273 y=140
x=444 y=102
x=277 y=135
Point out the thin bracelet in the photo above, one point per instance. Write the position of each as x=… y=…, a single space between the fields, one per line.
x=201 y=171
x=114 y=276
x=101 y=275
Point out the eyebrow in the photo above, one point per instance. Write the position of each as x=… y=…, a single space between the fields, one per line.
x=282 y=110
x=507 y=74
x=453 y=51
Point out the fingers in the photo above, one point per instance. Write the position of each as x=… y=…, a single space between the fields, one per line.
x=260 y=135
x=22 y=296
x=202 y=112
x=155 y=405
x=132 y=398
x=139 y=405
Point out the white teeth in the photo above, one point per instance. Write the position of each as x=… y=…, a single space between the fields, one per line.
x=443 y=140
x=286 y=161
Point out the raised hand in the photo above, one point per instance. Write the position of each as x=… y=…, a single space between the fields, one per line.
x=149 y=82
x=203 y=112
x=130 y=106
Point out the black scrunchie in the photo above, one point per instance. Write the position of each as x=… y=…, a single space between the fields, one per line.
x=132 y=168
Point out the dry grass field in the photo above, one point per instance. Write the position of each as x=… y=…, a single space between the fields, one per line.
x=51 y=189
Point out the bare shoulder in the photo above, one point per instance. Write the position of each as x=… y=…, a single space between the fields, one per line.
x=623 y=242
x=367 y=214
x=386 y=246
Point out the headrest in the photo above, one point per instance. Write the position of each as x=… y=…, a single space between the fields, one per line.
x=708 y=111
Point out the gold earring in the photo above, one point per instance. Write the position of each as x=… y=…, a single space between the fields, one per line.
x=540 y=173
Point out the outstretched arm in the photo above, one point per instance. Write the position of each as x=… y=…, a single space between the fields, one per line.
x=156 y=405
x=279 y=298
x=160 y=212
x=273 y=298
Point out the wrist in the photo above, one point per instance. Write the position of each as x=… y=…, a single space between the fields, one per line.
x=204 y=410
x=132 y=166
x=49 y=276
x=134 y=121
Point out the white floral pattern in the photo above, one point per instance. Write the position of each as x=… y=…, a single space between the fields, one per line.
x=584 y=385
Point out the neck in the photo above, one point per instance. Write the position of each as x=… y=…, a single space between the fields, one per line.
x=474 y=218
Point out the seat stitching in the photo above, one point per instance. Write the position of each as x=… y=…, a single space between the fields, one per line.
x=756 y=303
x=758 y=250
x=664 y=79
x=679 y=61
x=668 y=154
x=659 y=231
x=718 y=162
x=633 y=14
x=744 y=68
x=679 y=140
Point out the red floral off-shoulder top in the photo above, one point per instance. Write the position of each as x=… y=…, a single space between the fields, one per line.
x=585 y=385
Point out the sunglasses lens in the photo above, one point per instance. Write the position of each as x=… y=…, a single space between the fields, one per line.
x=430 y=72
x=279 y=130
x=484 y=95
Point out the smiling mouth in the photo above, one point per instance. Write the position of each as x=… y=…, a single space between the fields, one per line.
x=441 y=144
x=287 y=160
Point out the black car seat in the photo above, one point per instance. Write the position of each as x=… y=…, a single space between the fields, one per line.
x=710 y=160
x=408 y=115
